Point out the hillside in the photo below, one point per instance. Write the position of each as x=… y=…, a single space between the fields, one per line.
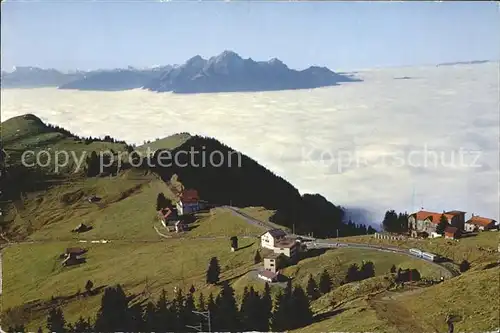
x=240 y=181
x=135 y=250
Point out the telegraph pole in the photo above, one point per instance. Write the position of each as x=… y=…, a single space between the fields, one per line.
x=205 y=314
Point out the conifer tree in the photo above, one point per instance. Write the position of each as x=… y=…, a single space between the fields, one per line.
x=352 y=273
x=213 y=271
x=55 y=321
x=150 y=322
x=367 y=270
x=201 y=306
x=279 y=321
x=257 y=259
x=227 y=310
x=301 y=314
x=312 y=288
x=266 y=306
x=113 y=313
x=325 y=282
x=443 y=223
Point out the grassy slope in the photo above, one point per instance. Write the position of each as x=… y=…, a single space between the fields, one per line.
x=477 y=250
x=337 y=261
x=32 y=271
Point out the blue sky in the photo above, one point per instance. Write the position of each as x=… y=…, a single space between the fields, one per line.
x=345 y=36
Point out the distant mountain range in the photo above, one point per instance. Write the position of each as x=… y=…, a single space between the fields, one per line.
x=227 y=72
x=472 y=62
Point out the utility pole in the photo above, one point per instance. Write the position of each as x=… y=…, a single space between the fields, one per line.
x=205 y=314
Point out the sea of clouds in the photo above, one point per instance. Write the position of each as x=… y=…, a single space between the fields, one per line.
x=361 y=144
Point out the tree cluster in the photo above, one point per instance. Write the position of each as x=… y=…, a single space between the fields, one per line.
x=118 y=313
x=291 y=309
x=316 y=289
x=358 y=273
x=394 y=222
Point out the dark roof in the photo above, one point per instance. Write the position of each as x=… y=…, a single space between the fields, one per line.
x=273 y=255
x=268 y=274
x=455 y=212
x=276 y=233
x=286 y=243
x=75 y=250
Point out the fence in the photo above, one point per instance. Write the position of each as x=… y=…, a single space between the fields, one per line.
x=379 y=235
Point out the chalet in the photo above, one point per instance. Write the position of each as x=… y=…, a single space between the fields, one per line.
x=72 y=256
x=189 y=202
x=274 y=262
x=268 y=276
x=271 y=237
x=286 y=246
x=478 y=223
x=451 y=233
x=426 y=222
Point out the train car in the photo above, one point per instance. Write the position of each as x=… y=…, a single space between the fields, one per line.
x=430 y=256
x=416 y=252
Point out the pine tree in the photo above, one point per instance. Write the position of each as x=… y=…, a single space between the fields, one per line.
x=325 y=282
x=367 y=270
x=164 y=319
x=257 y=259
x=279 y=321
x=135 y=321
x=189 y=317
x=312 y=288
x=393 y=269
x=213 y=271
x=178 y=311
x=150 y=322
x=352 y=273
x=161 y=201
x=201 y=306
x=390 y=222
x=55 y=321
x=93 y=165
x=443 y=223
x=227 y=310
x=113 y=314
x=464 y=266
x=266 y=306
x=301 y=314
x=214 y=313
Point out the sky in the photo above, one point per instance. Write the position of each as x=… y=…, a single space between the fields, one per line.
x=342 y=36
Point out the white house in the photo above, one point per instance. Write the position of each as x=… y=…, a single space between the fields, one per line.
x=288 y=247
x=478 y=223
x=271 y=237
